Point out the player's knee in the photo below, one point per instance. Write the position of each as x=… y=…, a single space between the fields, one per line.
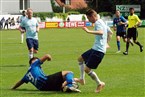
x=87 y=70
x=134 y=41
x=66 y=72
x=35 y=51
x=80 y=59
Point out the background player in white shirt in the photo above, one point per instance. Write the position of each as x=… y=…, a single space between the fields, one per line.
x=32 y=29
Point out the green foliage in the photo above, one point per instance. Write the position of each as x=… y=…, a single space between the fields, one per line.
x=61 y=15
x=73 y=12
x=43 y=15
x=105 y=14
x=83 y=18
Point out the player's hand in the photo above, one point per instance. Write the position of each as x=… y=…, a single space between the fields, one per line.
x=135 y=26
x=114 y=28
x=120 y=23
x=85 y=29
x=22 y=31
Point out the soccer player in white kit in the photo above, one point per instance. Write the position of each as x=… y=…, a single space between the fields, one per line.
x=32 y=29
x=93 y=57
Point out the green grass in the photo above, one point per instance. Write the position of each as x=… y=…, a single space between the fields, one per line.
x=123 y=75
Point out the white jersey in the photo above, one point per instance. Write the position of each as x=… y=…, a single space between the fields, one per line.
x=100 y=40
x=30 y=26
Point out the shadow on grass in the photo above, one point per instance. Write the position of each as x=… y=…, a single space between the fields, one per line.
x=13 y=66
x=120 y=54
x=26 y=91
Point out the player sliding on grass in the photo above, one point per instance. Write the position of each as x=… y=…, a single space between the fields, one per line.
x=93 y=57
x=31 y=26
x=63 y=80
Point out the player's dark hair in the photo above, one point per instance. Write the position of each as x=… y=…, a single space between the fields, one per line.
x=23 y=11
x=30 y=61
x=117 y=10
x=89 y=12
x=131 y=8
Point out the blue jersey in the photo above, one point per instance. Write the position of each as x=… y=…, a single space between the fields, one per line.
x=100 y=40
x=120 y=28
x=30 y=26
x=35 y=75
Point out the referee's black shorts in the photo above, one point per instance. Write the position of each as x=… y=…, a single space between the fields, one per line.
x=54 y=82
x=132 y=33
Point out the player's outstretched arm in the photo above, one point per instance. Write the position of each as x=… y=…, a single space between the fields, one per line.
x=99 y=32
x=19 y=83
x=46 y=57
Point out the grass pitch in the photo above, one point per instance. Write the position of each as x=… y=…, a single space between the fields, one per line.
x=123 y=75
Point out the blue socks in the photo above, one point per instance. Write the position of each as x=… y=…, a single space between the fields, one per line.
x=70 y=79
x=118 y=45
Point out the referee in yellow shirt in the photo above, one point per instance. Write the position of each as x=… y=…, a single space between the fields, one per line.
x=133 y=23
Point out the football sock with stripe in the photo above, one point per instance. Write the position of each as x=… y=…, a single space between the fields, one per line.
x=82 y=72
x=94 y=76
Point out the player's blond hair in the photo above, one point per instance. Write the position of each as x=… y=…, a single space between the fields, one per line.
x=28 y=9
x=91 y=12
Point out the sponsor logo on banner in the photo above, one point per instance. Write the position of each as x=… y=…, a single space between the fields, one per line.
x=70 y=24
x=81 y=24
x=88 y=24
x=61 y=24
x=51 y=24
x=42 y=25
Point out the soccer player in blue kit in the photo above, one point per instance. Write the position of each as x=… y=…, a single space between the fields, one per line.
x=31 y=26
x=119 y=25
x=60 y=81
x=93 y=57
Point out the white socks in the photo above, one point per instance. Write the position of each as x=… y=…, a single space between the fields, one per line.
x=22 y=37
x=82 y=72
x=31 y=55
x=94 y=76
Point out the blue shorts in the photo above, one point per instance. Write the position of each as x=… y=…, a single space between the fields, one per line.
x=23 y=28
x=92 y=58
x=32 y=43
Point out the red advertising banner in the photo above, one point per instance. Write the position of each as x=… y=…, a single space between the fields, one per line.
x=72 y=24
